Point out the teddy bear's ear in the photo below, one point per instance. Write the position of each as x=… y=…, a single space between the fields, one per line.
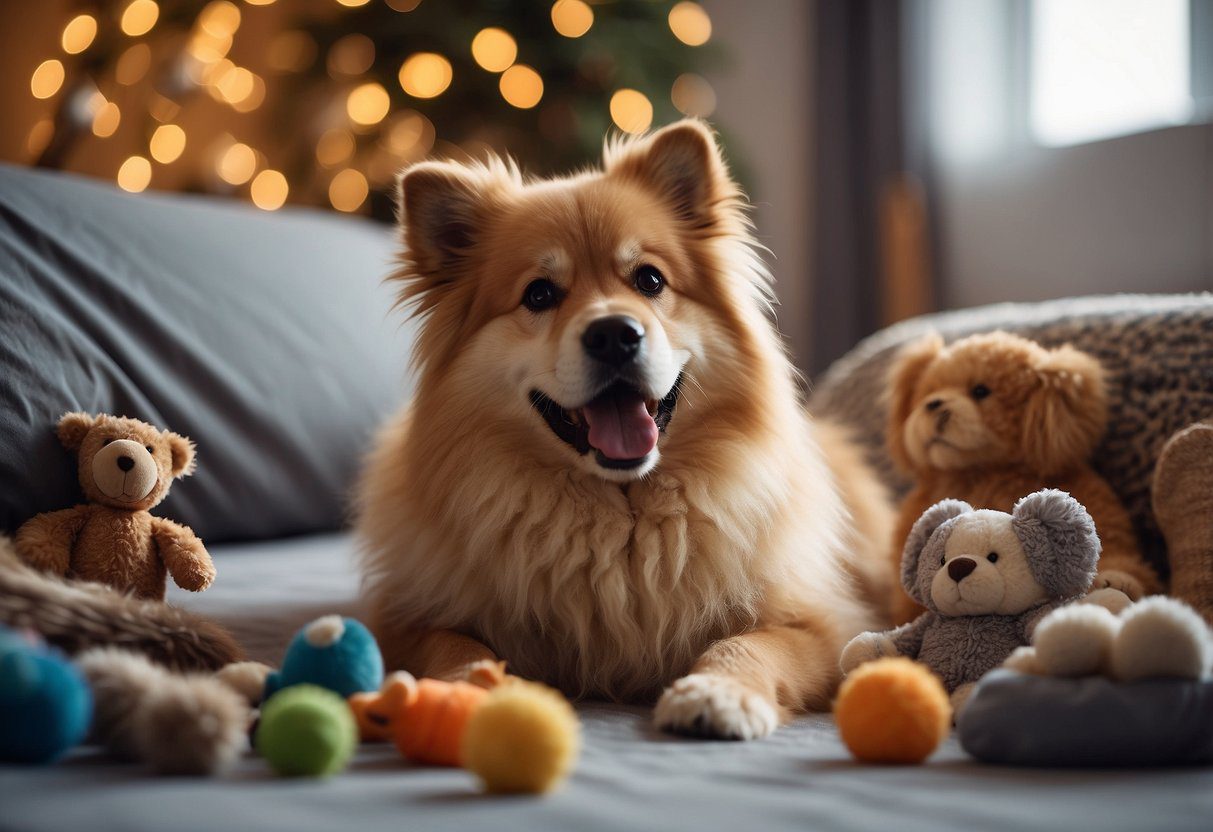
x=1067 y=414
x=73 y=427
x=182 y=449
x=924 y=527
x=903 y=378
x=1059 y=538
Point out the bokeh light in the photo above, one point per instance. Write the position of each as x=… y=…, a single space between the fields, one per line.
x=352 y=4
x=133 y=64
x=521 y=86
x=334 y=147
x=690 y=23
x=237 y=164
x=348 y=190
x=425 y=75
x=106 y=119
x=135 y=174
x=693 y=96
x=167 y=143
x=351 y=55
x=291 y=51
x=269 y=190
x=631 y=111
x=39 y=137
x=138 y=18
x=403 y=5
x=572 y=18
x=79 y=33
x=368 y=104
x=47 y=79
x=220 y=18
x=494 y=49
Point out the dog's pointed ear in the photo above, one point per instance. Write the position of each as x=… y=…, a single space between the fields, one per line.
x=73 y=427
x=1067 y=414
x=903 y=378
x=681 y=164
x=441 y=215
x=182 y=450
x=920 y=535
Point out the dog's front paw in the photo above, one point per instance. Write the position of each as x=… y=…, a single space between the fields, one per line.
x=707 y=705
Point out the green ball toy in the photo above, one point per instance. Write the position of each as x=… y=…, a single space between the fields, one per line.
x=306 y=731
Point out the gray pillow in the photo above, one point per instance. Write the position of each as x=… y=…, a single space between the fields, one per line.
x=1017 y=719
x=265 y=337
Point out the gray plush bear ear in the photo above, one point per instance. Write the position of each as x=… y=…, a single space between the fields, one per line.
x=1059 y=538
x=920 y=535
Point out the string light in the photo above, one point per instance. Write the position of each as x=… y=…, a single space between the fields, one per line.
x=235 y=85
x=348 y=190
x=425 y=75
x=269 y=190
x=79 y=33
x=572 y=18
x=291 y=51
x=352 y=55
x=368 y=104
x=334 y=147
x=237 y=164
x=521 y=86
x=693 y=96
x=139 y=17
x=631 y=111
x=690 y=23
x=260 y=2
x=220 y=18
x=135 y=174
x=106 y=119
x=47 y=78
x=411 y=135
x=167 y=144
x=133 y=64
x=352 y=4
x=494 y=49
x=254 y=98
x=163 y=109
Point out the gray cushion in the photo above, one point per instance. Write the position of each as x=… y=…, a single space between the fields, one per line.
x=267 y=338
x=1157 y=351
x=1018 y=719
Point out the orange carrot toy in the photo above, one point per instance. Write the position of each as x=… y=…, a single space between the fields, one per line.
x=426 y=718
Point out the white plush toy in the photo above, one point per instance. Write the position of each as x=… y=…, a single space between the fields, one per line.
x=1157 y=637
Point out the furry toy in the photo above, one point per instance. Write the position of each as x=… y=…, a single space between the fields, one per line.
x=177 y=724
x=306 y=731
x=1155 y=638
x=993 y=417
x=518 y=737
x=125 y=468
x=1182 y=500
x=892 y=710
x=986 y=579
x=45 y=703
x=333 y=652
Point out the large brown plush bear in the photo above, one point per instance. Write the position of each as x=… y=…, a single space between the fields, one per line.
x=993 y=417
x=126 y=468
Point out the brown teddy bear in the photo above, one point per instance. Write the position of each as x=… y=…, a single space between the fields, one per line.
x=994 y=417
x=126 y=467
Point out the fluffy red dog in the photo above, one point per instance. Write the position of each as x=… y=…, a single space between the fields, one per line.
x=606 y=476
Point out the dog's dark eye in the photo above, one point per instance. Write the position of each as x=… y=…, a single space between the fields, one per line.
x=943 y=559
x=648 y=280
x=540 y=295
x=107 y=441
x=149 y=449
x=992 y=557
x=979 y=391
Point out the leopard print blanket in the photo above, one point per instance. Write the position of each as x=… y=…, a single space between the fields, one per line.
x=1157 y=351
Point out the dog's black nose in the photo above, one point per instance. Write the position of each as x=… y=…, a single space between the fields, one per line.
x=961 y=568
x=126 y=463
x=934 y=404
x=613 y=340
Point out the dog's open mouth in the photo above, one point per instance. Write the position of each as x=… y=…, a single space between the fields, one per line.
x=620 y=425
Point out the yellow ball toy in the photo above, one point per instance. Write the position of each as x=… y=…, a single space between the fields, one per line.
x=892 y=710
x=524 y=737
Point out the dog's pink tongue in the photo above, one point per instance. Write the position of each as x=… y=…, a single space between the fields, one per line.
x=620 y=425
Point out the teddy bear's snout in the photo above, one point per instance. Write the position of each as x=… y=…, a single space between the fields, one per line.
x=124 y=470
x=961 y=568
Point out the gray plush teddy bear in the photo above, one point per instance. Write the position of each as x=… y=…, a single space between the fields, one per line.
x=986 y=578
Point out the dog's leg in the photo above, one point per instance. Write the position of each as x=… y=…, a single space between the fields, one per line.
x=437 y=654
x=743 y=687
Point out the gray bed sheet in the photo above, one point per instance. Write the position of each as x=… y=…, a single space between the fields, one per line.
x=629 y=776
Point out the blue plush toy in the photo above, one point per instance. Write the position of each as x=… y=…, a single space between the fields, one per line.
x=333 y=652
x=45 y=703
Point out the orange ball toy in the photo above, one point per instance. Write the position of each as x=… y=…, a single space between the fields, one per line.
x=892 y=710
